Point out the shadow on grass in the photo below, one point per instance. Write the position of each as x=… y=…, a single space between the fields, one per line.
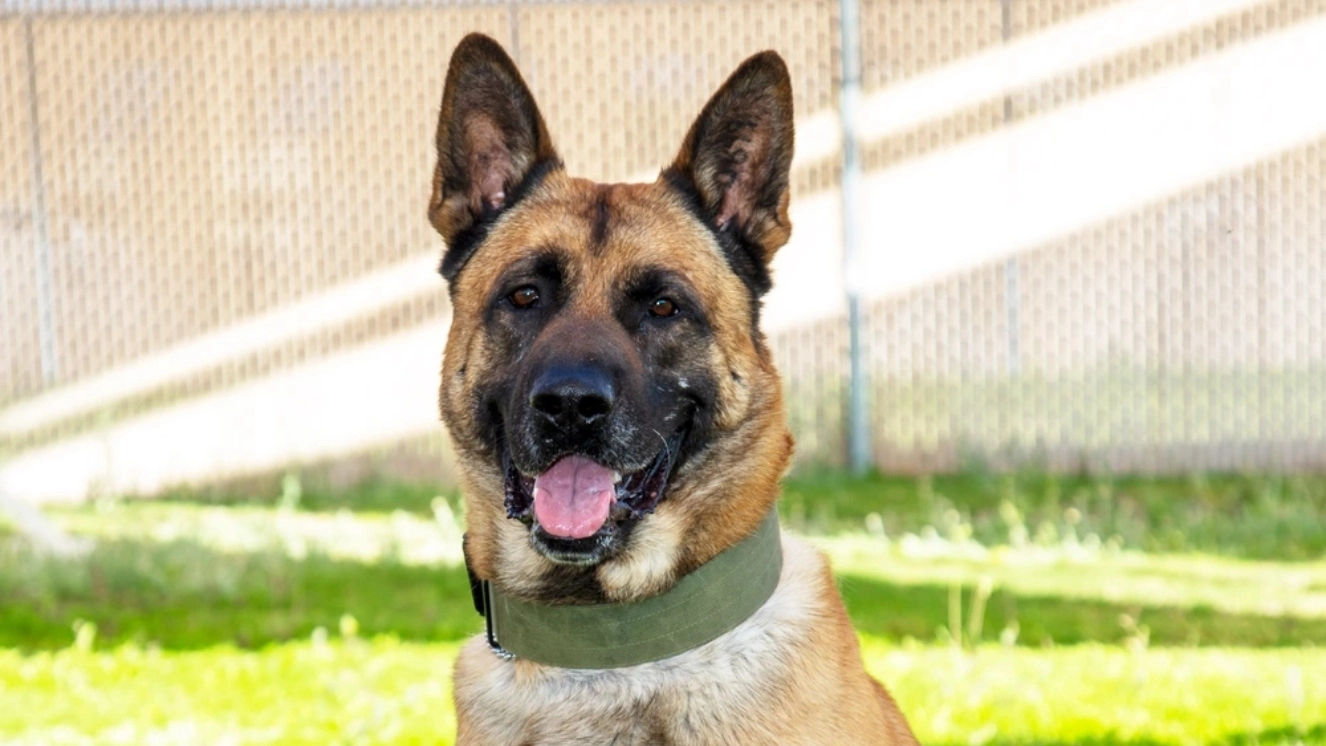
x=895 y=611
x=182 y=595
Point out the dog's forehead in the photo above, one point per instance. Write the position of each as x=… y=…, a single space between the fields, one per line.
x=603 y=233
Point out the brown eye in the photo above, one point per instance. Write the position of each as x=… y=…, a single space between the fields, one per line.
x=662 y=308
x=524 y=297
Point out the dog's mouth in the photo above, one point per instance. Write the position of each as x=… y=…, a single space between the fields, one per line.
x=579 y=510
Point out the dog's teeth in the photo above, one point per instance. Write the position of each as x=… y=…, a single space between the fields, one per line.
x=616 y=477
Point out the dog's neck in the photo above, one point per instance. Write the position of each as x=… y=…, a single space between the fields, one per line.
x=703 y=605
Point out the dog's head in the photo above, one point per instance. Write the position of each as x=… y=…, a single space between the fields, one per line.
x=605 y=382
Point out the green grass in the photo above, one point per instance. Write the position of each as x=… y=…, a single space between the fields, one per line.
x=383 y=691
x=1255 y=516
x=188 y=576
x=181 y=596
x=922 y=612
x=1102 y=695
x=374 y=495
x=352 y=692
x=1089 y=610
x=1071 y=571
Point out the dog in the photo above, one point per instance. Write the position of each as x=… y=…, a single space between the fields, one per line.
x=620 y=430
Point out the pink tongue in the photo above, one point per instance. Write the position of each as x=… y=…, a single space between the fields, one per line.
x=571 y=500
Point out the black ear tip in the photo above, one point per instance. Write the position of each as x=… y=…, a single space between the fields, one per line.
x=768 y=64
x=478 y=40
x=765 y=74
x=769 y=58
x=477 y=46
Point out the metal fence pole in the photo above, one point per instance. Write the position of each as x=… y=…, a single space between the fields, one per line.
x=42 y=247
x=858 y=415
x=1012 y=269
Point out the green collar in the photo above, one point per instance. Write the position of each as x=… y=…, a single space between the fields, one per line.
x=700 y=607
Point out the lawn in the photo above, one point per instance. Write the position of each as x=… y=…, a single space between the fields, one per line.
x=383 y=691
x=1001 y=610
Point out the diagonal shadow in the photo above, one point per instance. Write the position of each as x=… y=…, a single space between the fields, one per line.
x=897 y=611
x=182 y=595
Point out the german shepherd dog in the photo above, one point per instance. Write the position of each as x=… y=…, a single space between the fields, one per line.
x=619 y=423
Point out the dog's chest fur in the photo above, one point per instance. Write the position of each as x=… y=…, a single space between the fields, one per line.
x=743 y=687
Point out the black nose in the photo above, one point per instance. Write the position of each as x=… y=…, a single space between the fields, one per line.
x=573 y=396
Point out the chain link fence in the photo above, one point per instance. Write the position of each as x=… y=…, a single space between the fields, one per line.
x=214 y=261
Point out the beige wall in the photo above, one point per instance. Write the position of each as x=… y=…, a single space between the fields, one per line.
x=201 y=169
x=20 y=355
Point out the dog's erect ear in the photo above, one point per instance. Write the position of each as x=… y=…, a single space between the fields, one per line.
x=737 y=156
x=491 y=140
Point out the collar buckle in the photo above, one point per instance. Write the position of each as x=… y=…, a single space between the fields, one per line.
x=482 y=593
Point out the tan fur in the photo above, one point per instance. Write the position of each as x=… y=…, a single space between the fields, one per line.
x=649 y=566
x=654 y=229
x=791 y=673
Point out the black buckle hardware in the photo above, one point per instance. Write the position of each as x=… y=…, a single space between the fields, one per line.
x=476 y=585
x=482 y=592
x=489 y=631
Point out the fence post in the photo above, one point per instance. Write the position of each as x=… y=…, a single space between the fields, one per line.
x=42 y=249
x=858 y=412
x=1012 y=270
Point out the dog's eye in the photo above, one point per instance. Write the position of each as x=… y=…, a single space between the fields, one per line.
x=662 y=308
x=524 y=297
